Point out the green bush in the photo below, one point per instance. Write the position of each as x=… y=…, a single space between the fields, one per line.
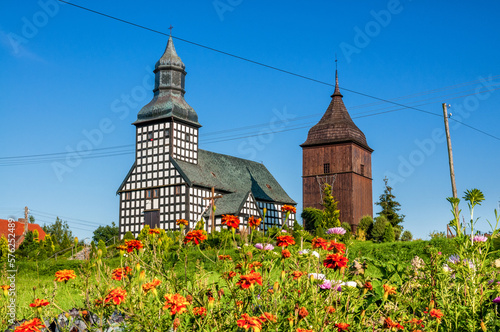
x=101 y=245
x=378 y=230
x=407 y=236
x=389 y=233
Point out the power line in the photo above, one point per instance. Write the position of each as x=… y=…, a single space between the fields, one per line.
x=261 y=64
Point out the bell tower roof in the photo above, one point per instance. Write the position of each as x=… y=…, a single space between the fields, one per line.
x=336 y=125
x=168 y=100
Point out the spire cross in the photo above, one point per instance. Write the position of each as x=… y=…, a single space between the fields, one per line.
x=335 y=61
x=171 y=27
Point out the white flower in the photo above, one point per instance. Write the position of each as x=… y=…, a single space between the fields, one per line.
x=350 y=284
x=318 y=276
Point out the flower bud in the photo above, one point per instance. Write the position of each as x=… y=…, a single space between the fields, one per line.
x=483 y=326
x=276 y=286
x=99 y=253
x=138 y=267
x=142 y=275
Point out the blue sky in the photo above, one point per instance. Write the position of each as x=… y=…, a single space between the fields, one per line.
x=74 y=81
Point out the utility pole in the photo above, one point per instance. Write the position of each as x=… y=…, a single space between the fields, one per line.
x=212 y=206
x=450 y=155
x=25 y=220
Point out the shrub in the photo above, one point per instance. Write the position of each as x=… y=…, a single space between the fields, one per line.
x=389 y=233
x=129 y=236
x=101 y=245
x=311 y=218
x=407 y=236
x=378 y=230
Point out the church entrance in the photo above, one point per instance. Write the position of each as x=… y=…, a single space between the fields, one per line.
x=152 y=218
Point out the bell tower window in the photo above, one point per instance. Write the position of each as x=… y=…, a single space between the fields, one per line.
x=326 y=168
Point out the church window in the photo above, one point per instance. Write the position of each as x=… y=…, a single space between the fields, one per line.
x=326 y=168
x=177 y=190
x=167 y=133
x=362 y=169
x=127 y=196
x=188 y=137
x=150 y=136
x=155 y=193
x=148 y=194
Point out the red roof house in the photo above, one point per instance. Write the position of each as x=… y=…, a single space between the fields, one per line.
x=19 y=230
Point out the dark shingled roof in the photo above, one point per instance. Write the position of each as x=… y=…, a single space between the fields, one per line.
x=336 y=125
x=233 y=175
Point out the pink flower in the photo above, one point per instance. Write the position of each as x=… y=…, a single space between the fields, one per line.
x=496 y=299
x=336 y=230
x=327 y=284
x=480 y=238
x=259 y=246
x=268 y=247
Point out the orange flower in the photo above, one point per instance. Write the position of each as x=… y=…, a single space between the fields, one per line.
x=229 y=275
x=33 y=325
x=303 y=313
x=151 y=285
x=254 y=222
x=329 y=309
x=288 y=208
x=116 y=296
x=133 y=244
x=119 y=273
x=199 y=311
x=389 y=323
x=414 y=321
x=65 y=275
x=182 y=222
x=342 y=326
x=39 y=303
x=225 y=258
x=247 y=322
x=388 y=290
x=368 y=285
x=5 y=289
x=284 y=240
x=319 y=242
x=122 y=247
x=338 y=247
x=176 y=303
x=177 y=323
x=230 y=220
x=154 y=231
x=248 y=280
x=304 y=330
x=436 y=313
x=297 y=274
x=255 y=265
x=285 y=253
x=334 y=261
x=268 y=317
x=197 y=236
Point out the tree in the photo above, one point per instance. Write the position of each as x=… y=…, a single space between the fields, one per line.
x=397 y=231
x=129 y=236
x=330 y=213
x=57 y=231
x=407 y=236
x=365 y=228
x=31 y=219
x=106 y=233
x=378 y=229
x=389 y=233
x=311 y=218
x=389 y=206
x=101 y=245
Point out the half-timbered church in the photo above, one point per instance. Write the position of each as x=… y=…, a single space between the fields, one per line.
x=173 y=179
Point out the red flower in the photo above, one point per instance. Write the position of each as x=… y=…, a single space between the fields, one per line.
x=284 y=240
x=33 y=325
x=133 y=245
x=119 y=273
x=268 y=317
x=247 y=322
x=199 y=311
x=254 y=222
x=342 y=326
x=389 y=323
x=255 y=265
x=285 y=253
x=248 y=280
x=303 y=313
x=436 y=313
x=368 y=285
x=338 y=247
x=116 y=296
x=176 y=303
x=151 y=285
x=229 y=275
x=197 y=236
x=230 y=220
x=39 y=303
x=334 y=261
x=154 y=231
x=319 y=242
x=181 y=222
x=225 y=258
x=121 y=247
x=329 y=309
x=288 y=208
x=304 y=330
x=65 y=275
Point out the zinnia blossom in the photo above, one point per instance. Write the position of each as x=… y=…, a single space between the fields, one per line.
x=65 y=275
x=268 y=246
x=116 y=296
x=368 y=285
x=39 y=303
x=249 y=279
x=327 y=284
x=268 y=317
x=246 y=322
x=285 y=240
x=154 y=231
x=480 y=238
x=151 y=285
x=342 y=326
x=225 y=258
x=297 y=274
x=389 y=323
x=200 y=311
x=181 y=222
x=254 y=222
x=329 y=309
x=230 y=220
x=33 y=325
x=119 y=273
x=288 y=208
x=176 y=303
x=259 y=246
x=336 y=230
x=121 y=247
x=303 y=313
x=338 y=247
x=436 y=313
x=133 y=245
x=5 y=289
x=319 y=242
x=334 y=261
x=388 y=290
x=304 y=330
x=197 y=236
x=285 y=253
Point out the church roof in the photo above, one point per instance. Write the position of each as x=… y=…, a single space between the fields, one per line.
x=233 y=175
x=336 y=125
x=168 y=99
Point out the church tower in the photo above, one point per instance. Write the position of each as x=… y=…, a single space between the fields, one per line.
x=336 y=152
